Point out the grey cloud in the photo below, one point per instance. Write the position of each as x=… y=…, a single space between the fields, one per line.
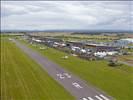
x=65 y=14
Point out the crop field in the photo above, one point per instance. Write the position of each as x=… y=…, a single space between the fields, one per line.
x=129 y=50
x=68 y=36
x=87 y=38
x=23 y=79
x=115 y=81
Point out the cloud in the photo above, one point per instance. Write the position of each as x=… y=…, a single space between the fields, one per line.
x=66 y=15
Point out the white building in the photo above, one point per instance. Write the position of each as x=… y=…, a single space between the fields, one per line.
x=100 y=54
x=123 y=42
x=103 y=54
x=127 y=40
x=36 y=40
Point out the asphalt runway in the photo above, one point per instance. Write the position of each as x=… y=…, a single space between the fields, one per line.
x=73 y=84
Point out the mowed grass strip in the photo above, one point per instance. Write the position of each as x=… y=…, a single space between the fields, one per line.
x=23 y=79
x=117 y=82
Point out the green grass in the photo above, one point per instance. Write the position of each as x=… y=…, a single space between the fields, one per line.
x=117 y=82
x=97 y=38
x=128 y=50
x=23 y=79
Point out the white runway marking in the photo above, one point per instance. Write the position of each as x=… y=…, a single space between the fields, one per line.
x=99 y=98
x=64 y=75
x=60 y=76
x=67 y=75
x=90 y=98
x=84 y=99
x=104 y=97
x=77 y=85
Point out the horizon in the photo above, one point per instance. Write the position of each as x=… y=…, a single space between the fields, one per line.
x=72 y=30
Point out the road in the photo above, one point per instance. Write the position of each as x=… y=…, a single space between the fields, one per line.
x=126 y=63
x=73 y=84
x=119 y=61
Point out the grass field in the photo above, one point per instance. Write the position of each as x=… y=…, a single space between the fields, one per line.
x=68 y=36
x=117 y=82
x=23 y=79
x=129 y=50
x=97 y=38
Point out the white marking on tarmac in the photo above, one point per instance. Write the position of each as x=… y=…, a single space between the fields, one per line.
x=99 y=98
x=90 y=98
x=77 y=85
x=67 y=75
x=104 y=97
x=60 y=76
x=84 y=99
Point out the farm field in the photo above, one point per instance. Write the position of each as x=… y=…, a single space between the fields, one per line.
x=129 y=50
x=87 y=37
x=68 y=36
x=116 y=82
x=23 y=79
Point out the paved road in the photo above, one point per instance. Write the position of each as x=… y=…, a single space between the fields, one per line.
x=77 y=87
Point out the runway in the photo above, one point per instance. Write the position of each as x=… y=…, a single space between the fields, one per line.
x=73 y=84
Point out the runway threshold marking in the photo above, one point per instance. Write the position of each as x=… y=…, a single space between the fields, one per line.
x=90 y=98
x=104 y=97
x=84 y=99
x=99 y=98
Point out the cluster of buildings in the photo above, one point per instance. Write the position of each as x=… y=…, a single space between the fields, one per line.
x=123 y=43
x=84 y=49
x=88 y=50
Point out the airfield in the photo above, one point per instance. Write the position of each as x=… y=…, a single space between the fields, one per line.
x=29 y=72
x=73 y=84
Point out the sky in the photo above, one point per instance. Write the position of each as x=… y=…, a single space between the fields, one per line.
x=59 y=15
